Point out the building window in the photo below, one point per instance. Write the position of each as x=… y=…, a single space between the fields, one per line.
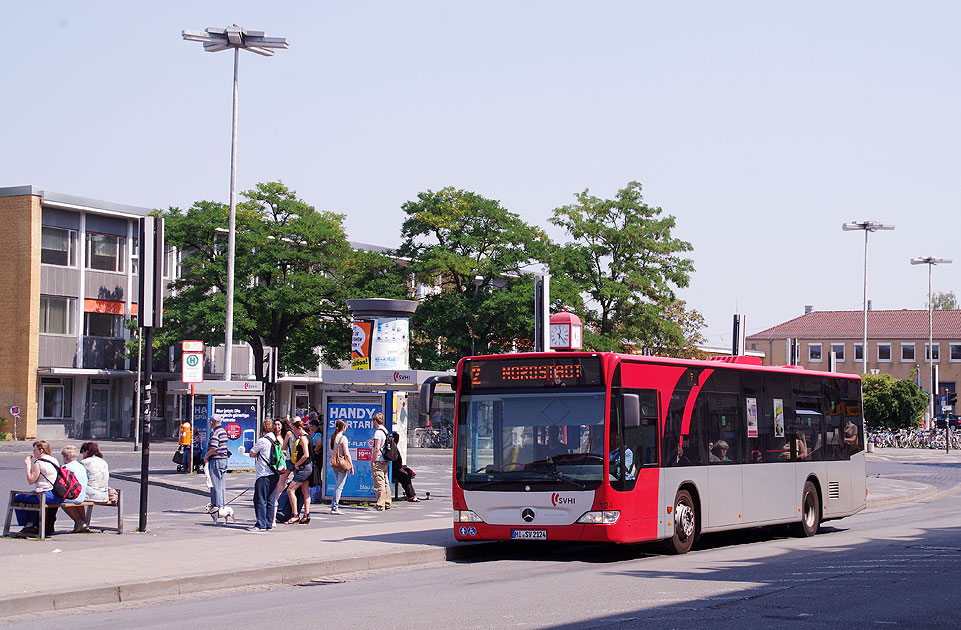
x=907 y=352
x=102 y=325
x=955 y=351
x=57 y=315
x=859 y=353
x=936 y=348
x=56 y=398
x=838 y=350
x=134 y=255
x=814 y=352
x=884 y=352
x=58 y=246
x=105 y=252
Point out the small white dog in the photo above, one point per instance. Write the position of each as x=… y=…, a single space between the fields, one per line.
x=226 y=513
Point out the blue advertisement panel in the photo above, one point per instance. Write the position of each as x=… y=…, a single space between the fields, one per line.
x=239 y=418
x=360 y=440
x=200 y=419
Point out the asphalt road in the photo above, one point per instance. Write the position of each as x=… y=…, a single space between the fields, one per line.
x=878 y=569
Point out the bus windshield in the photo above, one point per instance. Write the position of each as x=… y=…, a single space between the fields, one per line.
x=508 y=440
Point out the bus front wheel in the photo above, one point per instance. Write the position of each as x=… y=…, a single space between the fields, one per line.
x=810 y=512
x=685 y=523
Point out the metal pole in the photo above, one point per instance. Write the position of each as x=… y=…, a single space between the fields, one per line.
x=145 y=453
x=864 y=340
x=231 y=230
x=930 y=352
x=191 y=471
x=136 y=428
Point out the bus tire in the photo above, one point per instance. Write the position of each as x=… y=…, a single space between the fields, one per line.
x=810 y=512
x=685 y=523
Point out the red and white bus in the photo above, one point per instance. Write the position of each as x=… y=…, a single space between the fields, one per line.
x=586 y=446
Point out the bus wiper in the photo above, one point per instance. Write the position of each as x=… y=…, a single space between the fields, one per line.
x=553 y=474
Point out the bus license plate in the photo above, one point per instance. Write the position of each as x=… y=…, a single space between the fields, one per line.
x=528 y=534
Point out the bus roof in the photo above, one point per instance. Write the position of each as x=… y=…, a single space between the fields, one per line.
x=747 y=363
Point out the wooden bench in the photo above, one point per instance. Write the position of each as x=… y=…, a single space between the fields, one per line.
x=41 y=509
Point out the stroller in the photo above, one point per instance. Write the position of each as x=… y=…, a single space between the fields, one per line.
x=182 y=458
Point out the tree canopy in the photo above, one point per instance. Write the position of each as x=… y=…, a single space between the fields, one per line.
x=944 y=301
x=478 y=254
x=294 y=271
x=624 y=257
x=892 y=403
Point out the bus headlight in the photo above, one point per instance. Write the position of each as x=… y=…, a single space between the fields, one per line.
x=466 y=516
x=607 y=517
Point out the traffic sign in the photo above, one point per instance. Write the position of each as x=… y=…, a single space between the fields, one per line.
x=15 y=411
x=192 y=346
x=193 y=367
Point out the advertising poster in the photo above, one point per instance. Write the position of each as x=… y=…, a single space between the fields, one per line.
x=778 y=417
x=360 y=440
x=390 y=344
x=360 y=344
x=752 y=417
x=240 y=422
x=200 y=418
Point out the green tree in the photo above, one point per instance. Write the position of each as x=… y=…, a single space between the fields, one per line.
x=944 y=301
x=627 y=262
x=892 y=403
x=294 y=270
x=477 y=253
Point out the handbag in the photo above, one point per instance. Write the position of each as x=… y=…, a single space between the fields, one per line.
x=339 y=462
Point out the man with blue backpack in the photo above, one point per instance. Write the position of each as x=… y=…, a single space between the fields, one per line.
x=270 y=463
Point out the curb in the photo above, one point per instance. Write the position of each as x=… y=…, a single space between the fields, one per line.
x=191 y=584
x=899 y=500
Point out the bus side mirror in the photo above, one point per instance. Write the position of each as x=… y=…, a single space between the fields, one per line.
x=427 y=391
x=632 y=410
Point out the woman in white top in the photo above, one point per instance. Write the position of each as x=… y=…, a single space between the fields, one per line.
x=41 y=468
x=339 y=446
x=98 y=473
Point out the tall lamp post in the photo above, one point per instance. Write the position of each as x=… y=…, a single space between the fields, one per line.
x=215 y=40
x=867 y=226
x=930 y=261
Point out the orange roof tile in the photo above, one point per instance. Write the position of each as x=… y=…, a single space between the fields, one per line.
x=903 y=324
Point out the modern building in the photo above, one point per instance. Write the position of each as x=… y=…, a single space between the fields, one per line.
x=897 y=343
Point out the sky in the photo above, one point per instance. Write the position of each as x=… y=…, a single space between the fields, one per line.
x=760 y=126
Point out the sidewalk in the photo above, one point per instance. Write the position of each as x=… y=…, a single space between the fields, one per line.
x=184 y=552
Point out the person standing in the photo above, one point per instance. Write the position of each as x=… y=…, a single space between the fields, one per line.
x=266 y=481
x=216 y=462
x=303 y=470
x=316 y=438
x=379 y=466
x=339 y=448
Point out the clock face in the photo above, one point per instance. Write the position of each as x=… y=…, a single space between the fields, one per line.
x=560 y=336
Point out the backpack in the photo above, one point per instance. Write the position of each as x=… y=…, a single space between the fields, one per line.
x=389 y=451
x=276 y=462
x=66 y=485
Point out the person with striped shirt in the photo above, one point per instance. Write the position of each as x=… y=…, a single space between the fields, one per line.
x=216 y=461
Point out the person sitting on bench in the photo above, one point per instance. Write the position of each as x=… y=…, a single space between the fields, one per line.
x=77 y=513
x=41 y=472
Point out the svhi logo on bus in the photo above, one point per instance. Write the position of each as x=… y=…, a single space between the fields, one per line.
x=557 y=499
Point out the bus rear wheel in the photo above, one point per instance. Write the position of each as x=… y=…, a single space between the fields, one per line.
x=810 y=512
x=685 y=523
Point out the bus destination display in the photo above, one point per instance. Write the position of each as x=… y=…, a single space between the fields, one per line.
x=540 y=372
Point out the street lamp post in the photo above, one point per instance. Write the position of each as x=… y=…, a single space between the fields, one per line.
x=215 y=40
x=867 y=226
x=930 y=261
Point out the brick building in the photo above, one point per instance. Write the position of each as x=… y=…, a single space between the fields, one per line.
x=897 y=343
